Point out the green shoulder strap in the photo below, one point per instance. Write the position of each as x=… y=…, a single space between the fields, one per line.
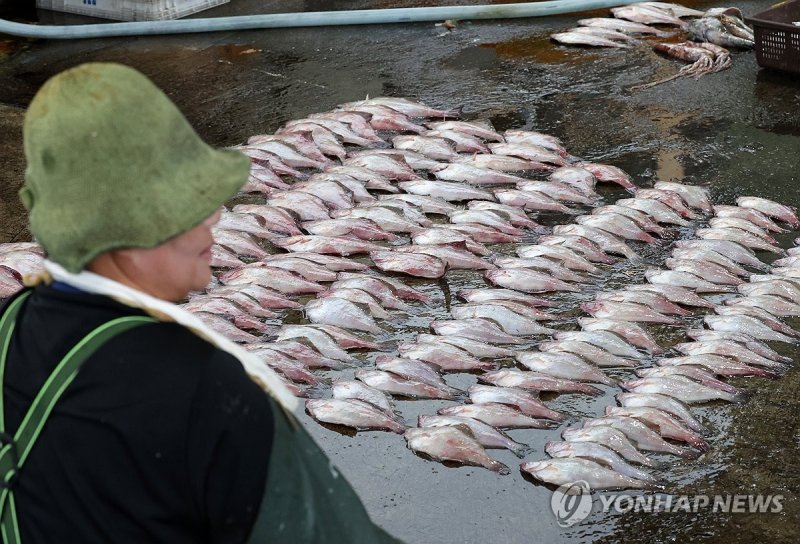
x=14 y=450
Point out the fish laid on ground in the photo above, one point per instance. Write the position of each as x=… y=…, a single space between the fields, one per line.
x=642 y=220
x=630 y=331
x=225 y=258
x=756 y=346
x=230 y=309
x=446 y=190
x=707 y=270
x=530 y=200
x=436 y=148
x=769 y=208
x=474 y=175
x=340 y=312
x=610 y=174
x=398 y=287
x=589 y=352
x=694 y=196
x=322 y=341
x=410 y=369
x=481 y=129
x=656 y=301
x=626 y=311
x=530 y=137
x=586 y=248
x=602 y=339
x=477 y=349
x=440 y=236
x=226 y=328
x=742 y=237
x=580 y=38
x=266 y=298
x=396 y=385
x=647 y=15
x=528 y=151
x=487 y=294
x=692 y=372
x=425 y=204
x=486 y=435
x=306 y=269
x=616 y=224
x=621 y=25
x=537 y=382
x=664 y=403
x=516 y=217
x=244 y=222
x=681 y=278
x=563 y=365
x=352 y=413
x=525 y=401
x=774 y=305
x=743 y=224
x=748 y=214
x=674 y=293
x=384 y=165
x=354 y=389
x=660 y=212
x=387 y=219
x=527 y=280
x=710 y=256
x=452 y=444
x=240 y=243
x=598 y=453
x=502 y=163
x=359 y=297
x=777 y=288
x=413 y=264
x=722 y=364
x=683 y=389
x=763 y=316
x=271 y=277
x=305 y=354
x=447 y=357
x=331 y=262
x=557 y=190
x=509 y=320
x=307 y=207
x=478 y=329
x=497 y=415
x=564 y=471
x=731 y=249
x=361 y=228
x=334 y=245
x=609 y=437
x=489 y=218
x=607 y=241
x=747 y=325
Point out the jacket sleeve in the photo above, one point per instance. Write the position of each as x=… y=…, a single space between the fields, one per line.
x=229 y=443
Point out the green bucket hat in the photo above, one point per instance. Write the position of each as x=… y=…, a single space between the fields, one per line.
x=112 y=163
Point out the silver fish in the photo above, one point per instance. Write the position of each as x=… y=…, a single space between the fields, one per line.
x=661 y=402
x=226 y=328
x=746 y=324
x=674 y=293
x=479 y=329
x=238 y=242
x=602 y=339
x=496 y=415
x=719 y=363
x=476 y=349
x=742 y=237
x=489 y=218
x=332 y=245
x=481 y=129
x=599 y=454
x=580 y=38
x=352 y=413
x=731 y=249
x=426 y=204
x=707 y=255
x=341 y=312
x=707 y=270
x=413 y=264
x=525 y=401
x=774 y=305
x=536 y=382
x=436 y=148
x=656 y=301
x=589 y=352
x=308 y=207
x=609 y=437
x=748 y=214
x=666 y=425
x=354 y=389
x=621 y=25
x=778 y=288
x=474 y=175
x=485 y=295
x=509 y=320
x=608 y=242
x=683 y=389
x=535 y=138
x=682 y=278
x=565 y=254
x=770 y=209
x=630 y=331
x=305 y=354
x=278 y=279
x=321 y=341
x=659 y=211
x=410 y=369
x=527 y=280
x=396 y=385
x=452 y=444
x=446 y=190
x=361 y=228
x=486 y=435
x=569 y=470
x=646 y=15
x=576 y=177
x=616 y=224
x=530 y=200
x=563 y=365
x=447 y=357
x=694 y=196
x=641 y=435
x=626 y=311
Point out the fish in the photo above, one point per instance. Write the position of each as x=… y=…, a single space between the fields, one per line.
x=709 y=256
x=340 y=312
x=336 y=264
x=221 y=257
x=239 y=243
x=630 y=331
x=530 y=137
x=385 y=220
x=656 y=301
x=305 y=354
x=515 y=216
x=484 y=217
x=275 y=219
x=405 y=106
x=598 y=453
x=502 y=163
x=777 y=287
x=385 y=165
x=589 y=250
x=426 y=204
x=761 y=315
x=334 y=245
x=284 y=281
x=610 y=174
x=528 y=151
x=770 y=209
x=610 y=438
x=731 y=249
x=352 y=413
x=711 y=29
x=537 y=382
x=669 y=198
x=530 y=200
x=602 y=339
x=520 y=308
x=431 y=146
x=308 y=207
x=478 y=329
x=288 y=367
x=446 y=190
x=707 y=270
x=580 y=38
x=447 y=357
x=415 y=161
x=694 y=196
x=454 y=257
x=358 y=296
x=647 y=15
x=452 y=444
x=629 y=27
x=608 y=34
x=476 y=349
x=481 y=129
x=589 y=352
x=508 y=320
x=626 y=311
x=396 y=385
x=413 y=264
x=724 y=358
x=321 y=341
x=225 y=328
x=557 y=190
x=656 y=209
x=563 y=365
x=743 y=224
x=527 y=280
x=674 y=293
x=577 y=178
x=746 y=324
x=333 y=194
x=338 y=128
x=243 y=222
x=440 y=236
x=371 y=179
x=496 y=415
x=641 y=435
x=361 y=228
x=486 y=435
x=742 y=237
x=403 y=208
x=230 y=309
x=756 y=346
x=643 y=221
x=525 y=401
x=485 y=295
x=410 y=369
x=608 y=242
x=683 y=389
x=664 y=403
x=354 y=389
x=748 y=214
x=346 y=339
x=398 y=287
x=473 y=175
x=289 y=154
x=564 y=471
x=306 y=269
x=692 y=372
x=267 y=298
x=616 y=224
x=774 y=305
x=664 y=423
x=682 y=278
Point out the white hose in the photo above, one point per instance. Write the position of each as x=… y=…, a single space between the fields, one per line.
x=319 y=18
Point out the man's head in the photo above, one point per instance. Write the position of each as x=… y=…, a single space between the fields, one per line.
x=113 y=166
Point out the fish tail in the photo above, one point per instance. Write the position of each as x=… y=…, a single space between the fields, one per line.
x=688 y=453
x=590 y=390
x=697 y=442
x=498 y=467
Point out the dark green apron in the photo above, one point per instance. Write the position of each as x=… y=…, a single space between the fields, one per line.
x=305 y=500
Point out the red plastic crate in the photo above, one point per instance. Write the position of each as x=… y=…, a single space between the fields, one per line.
x=777 y=39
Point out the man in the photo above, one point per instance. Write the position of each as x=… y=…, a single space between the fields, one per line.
x=124 y=419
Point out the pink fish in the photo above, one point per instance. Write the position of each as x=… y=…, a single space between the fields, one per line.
x=413 y=264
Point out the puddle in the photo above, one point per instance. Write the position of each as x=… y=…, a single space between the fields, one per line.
x=542 y=51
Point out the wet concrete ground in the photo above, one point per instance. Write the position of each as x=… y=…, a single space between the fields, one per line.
x=736 y=131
